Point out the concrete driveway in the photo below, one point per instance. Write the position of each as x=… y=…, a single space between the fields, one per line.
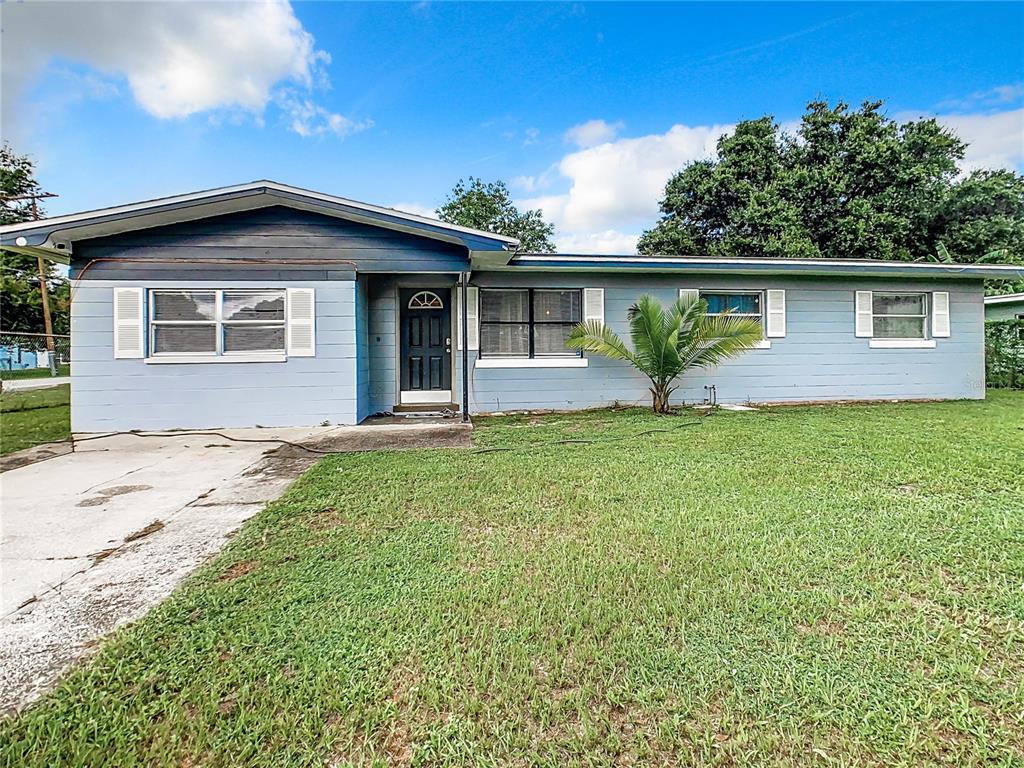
x=17 y=385
x=92 y=539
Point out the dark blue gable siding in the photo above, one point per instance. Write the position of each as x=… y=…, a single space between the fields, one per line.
x=285 y=239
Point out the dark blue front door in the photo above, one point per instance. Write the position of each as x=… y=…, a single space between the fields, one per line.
x=426 y=343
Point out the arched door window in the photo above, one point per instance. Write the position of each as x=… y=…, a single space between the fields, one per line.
x=426 y=300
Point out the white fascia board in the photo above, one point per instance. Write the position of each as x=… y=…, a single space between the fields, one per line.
x=1007 y=298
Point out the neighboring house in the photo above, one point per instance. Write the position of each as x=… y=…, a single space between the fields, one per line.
x=1007 y=307
x=263 y=304
x=16 y=358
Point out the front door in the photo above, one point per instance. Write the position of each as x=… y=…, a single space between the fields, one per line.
x=426 y=352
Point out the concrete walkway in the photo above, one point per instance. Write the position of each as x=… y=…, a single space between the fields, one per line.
x=18 y=385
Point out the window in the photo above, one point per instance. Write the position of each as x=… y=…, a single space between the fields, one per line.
x=209 y=322
x=528 y=322
x=899 y=315
x=426 y=300
x=738 y=304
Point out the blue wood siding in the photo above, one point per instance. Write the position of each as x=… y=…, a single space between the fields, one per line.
x=362 y=351
x=1007 y=311
x=283 y=235
x=118 y=394
x=383 y=350
x=820 y=358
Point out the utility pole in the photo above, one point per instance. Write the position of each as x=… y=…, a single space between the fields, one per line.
x=44 y=290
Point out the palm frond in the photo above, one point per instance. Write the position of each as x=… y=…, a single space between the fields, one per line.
x=667 y=344
x=594 y=336
x=648 y=328
x=717 y=338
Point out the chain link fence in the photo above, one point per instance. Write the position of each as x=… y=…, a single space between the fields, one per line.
x=27 y=355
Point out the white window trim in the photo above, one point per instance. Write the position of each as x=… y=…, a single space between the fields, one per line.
x=220 y=355
x=885 y=342
x=544 y=361
x=532 y=362
x=765 y=342
x=901 y=344
x=239 y=357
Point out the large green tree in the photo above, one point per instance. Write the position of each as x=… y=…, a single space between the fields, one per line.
x=849 y=183
x=20 y=300
x=488 y=206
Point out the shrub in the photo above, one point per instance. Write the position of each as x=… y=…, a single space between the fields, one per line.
x=1004 y=353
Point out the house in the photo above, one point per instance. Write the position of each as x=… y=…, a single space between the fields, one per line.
x=1009 y=306
x=264 y=304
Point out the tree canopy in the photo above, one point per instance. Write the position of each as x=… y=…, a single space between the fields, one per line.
x=849 y=183
x=19 y=275
x=489 y=206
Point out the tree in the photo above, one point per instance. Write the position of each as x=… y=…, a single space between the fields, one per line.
x=981 y=219
x=489 y=206
x=848 y=184
x=19 y=275
x=667 y=344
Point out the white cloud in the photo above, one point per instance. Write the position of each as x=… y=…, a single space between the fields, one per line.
x=178 y=59
x=417 y=209
x=608 y=241
x=614 y=188
x=993 y=141
x=1001 y=95
x=592 y=133
x=310 y=119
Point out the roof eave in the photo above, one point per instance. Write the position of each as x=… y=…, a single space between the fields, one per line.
x=808 y=267
x=63 y=230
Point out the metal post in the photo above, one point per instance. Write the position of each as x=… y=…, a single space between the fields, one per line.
x=464 y=279
x=44 y=289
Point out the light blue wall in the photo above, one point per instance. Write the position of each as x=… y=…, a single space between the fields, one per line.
x=1007 y=311
x=118 y=394
x=383 y=354
x=362 y=350
x=819 y=359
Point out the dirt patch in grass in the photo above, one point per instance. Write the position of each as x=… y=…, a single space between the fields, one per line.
x=823 y=627
x=238 y=570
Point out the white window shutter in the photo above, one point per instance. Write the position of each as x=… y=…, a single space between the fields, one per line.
x=301 y=322
x=472 y=304
x=128 y=322
x=593 y=304
x=689 y=293
x=940 y=315
x=776 y=326
x=865 y=325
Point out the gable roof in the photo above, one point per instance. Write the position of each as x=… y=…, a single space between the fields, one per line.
x=53 y=237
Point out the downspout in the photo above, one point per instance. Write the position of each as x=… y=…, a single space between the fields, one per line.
x=464 y=331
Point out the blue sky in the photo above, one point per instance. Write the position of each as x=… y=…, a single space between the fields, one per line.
x=584 y=109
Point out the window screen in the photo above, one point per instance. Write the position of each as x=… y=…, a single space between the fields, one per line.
x=528 y=322
x=208 y=322
x=900 y=315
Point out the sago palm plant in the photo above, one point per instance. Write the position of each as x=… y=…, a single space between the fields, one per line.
x=668 y=343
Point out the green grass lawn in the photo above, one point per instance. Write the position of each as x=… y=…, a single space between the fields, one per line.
x=34 y=416
x=797 y=586
x=7 y=374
